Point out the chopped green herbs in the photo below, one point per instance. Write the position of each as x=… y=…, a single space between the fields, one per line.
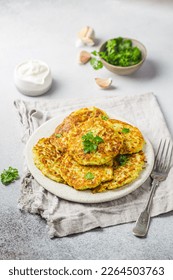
x=89 y=176
x=94 y=53
x=105 y=118
x=91 y=142
x=125 y=130
x=95 y=63
x=9 y=175
x=122 y=159
x=58 y=135
x=120 y=52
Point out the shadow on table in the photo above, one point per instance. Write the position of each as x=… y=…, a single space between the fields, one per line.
x=148 y=71
x=164 y=215
x=55 y=86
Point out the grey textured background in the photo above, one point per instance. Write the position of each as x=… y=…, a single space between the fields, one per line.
x=47 y=30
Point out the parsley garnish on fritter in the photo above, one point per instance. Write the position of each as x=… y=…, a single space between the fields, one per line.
x=91 y=142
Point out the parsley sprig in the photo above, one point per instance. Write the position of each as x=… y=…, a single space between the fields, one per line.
x=105 y=118
x=95 y=62
x=89 y=176
x=8 y=176
x=125 y=130
x=122 y=159
x=58 y=135
x=91 y=142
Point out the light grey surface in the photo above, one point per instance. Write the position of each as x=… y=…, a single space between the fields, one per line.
x=47 y=30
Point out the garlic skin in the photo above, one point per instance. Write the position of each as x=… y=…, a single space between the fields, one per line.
x=103 y=83
x=88 y=41
x=84 y=57
x=86 y=36
x=79 y=43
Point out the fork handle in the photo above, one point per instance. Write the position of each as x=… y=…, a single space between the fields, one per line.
x=142 y=223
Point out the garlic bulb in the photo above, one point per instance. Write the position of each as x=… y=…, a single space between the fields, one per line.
x=86 y=36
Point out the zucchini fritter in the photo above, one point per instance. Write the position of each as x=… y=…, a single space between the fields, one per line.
x=47 y=159
x=83 y=177
x=90 y=151
x=125 y=171
x=108 y=147
x=60 y=136
x=133 y=140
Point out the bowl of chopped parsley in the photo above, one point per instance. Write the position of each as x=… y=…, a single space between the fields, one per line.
x=122 y=56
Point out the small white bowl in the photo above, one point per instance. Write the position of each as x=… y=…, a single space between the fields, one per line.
x=32 y=77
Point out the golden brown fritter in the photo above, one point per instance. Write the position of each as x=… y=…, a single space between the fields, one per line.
x=90 y=151
x=86 y=135
x=126 y=169
x=60 y=136
x=46 y=158
x=133 y=140
x=83 y=177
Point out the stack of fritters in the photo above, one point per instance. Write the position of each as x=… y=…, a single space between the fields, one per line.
x=90 y=151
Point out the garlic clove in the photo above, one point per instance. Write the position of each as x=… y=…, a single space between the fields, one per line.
x=88 y=41
x=82 y=33
x=84 y=57
x=87 y=35
x=86 y=32
x=103 y=83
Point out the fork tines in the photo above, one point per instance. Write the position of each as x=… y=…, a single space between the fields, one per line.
x=164 y=155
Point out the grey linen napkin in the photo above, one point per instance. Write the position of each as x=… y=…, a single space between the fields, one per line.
x=65 y=217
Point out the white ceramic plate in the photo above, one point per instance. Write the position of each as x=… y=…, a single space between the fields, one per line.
x=69 y=193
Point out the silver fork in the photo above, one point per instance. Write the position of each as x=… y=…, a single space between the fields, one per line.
x=160 y=172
